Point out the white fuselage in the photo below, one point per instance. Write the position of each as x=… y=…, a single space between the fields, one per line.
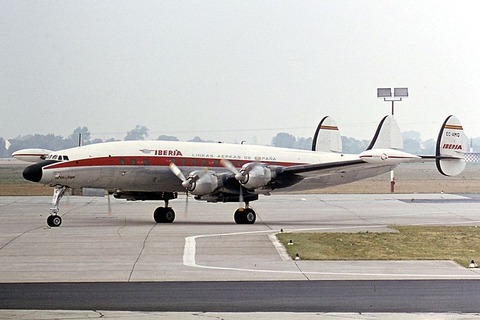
x=144 y=165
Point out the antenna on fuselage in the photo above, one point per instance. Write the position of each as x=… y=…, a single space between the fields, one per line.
x=80 y=139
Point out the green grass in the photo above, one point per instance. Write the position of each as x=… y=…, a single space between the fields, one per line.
x=460 y=244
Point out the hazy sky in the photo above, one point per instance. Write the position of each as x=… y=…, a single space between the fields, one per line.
x=235 y=70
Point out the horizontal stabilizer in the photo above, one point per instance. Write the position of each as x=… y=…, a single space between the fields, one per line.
x=451 y=147
x=387 y=156
x=31 y=155
x=327 y=136
x=387 y=136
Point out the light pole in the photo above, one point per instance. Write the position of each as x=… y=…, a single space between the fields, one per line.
x=398 y=94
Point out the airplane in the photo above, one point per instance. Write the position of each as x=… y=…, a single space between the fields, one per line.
x=32 y=154
x=221 y=172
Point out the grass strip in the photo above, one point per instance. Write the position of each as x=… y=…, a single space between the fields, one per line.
x=457 y=243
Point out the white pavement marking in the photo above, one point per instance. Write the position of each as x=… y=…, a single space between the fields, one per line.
x=191 y=244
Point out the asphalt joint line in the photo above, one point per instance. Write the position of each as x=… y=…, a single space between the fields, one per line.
x=301 y=271
x=141 y=251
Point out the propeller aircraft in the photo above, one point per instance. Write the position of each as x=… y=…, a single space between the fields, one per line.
x=220 y=172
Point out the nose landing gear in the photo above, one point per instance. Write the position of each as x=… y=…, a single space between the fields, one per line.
x=54 y=220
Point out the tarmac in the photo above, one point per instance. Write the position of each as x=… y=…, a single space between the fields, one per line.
x=104 y=239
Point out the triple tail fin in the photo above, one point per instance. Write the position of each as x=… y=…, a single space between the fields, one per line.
x=327 y=136
x=387 y=136
x=386 y=144
x=451 y=147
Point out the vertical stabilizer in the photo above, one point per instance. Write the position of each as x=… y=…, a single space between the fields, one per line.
x=327 y=136
x=451 y=147
x=387 y=136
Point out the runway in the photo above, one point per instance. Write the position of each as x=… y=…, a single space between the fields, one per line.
x=204 y=245
x=451 y=296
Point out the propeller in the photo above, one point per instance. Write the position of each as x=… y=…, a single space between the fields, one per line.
x=109 y=204
x=242 y=175
x=187 y=183
x=176 y=171
x=186 y=203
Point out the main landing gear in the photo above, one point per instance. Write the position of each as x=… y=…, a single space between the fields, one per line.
x=54 y=220
x=241 y=216
x=245 y=215
x=164 y=215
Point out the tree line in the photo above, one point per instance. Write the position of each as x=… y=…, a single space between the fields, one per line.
x=411 y=139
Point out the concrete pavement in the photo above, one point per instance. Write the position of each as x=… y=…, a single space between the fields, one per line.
x=204 y=244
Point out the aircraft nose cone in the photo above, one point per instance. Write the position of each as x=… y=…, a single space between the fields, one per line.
x=33 y=172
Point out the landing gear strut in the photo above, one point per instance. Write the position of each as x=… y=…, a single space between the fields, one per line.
x=54 y=220
x=245 y=215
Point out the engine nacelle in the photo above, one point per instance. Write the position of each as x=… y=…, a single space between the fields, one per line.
x=201 y=182
x=259 y=176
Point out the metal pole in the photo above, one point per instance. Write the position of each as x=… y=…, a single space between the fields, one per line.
x=392 y=174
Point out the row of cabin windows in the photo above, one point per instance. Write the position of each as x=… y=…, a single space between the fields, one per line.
x=134 y=161
x=180 y=162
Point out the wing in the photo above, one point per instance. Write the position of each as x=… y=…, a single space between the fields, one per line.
x=322 y=175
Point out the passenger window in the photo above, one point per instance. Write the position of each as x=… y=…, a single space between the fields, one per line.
x=145 y=162
x=121 y=161
x=133 y=161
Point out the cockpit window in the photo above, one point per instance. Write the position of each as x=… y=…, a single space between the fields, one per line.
x=57 y=157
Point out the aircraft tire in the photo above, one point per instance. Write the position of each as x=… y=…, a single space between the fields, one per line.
x=164 y=215
x=245 y=216
x=238 y=216
x=54 y=221
x=169 y=216
x=250 y=216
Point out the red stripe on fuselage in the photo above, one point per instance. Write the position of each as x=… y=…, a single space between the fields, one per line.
x=156 y=161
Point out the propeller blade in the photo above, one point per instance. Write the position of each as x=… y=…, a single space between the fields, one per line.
x=239 y=175
x=109 y=204
x=240 y=197
x=186 y=203
x=176 y=171
x=250 y=166
x=229 y=166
